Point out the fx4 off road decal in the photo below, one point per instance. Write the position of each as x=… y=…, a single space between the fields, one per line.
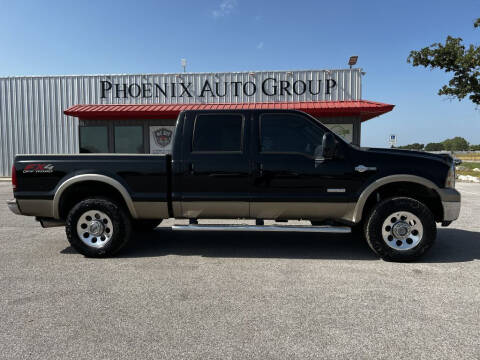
x=38 y=168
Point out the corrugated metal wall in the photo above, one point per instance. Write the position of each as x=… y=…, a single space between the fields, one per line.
x=31 y=108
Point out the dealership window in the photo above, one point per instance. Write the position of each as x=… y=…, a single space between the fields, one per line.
x=93 y=139
x=343 y=130
x=129 y=139
x=289 y=133
x=222 y=132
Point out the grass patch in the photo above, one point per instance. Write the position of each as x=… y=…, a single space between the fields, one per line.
x=471 y=157
x=472 y=173
x=471 y=165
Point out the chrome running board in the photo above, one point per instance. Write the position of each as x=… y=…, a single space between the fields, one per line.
x=292 y=228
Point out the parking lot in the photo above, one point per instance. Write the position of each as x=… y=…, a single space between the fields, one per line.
x=238 y=295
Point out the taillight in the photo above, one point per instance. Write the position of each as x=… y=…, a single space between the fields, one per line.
x=14 y=178
x=450 y=181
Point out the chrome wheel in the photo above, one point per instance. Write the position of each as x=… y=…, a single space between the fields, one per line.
x=95 y=228
x=402 y=230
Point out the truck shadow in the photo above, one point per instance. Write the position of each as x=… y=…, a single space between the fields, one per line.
x=453 y=245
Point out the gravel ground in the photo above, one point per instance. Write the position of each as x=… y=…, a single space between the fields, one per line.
x=238 y=295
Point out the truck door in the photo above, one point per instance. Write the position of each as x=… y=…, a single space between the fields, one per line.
x=287 y=181
x=216 y=168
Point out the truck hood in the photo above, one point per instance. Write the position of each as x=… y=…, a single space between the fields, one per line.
x=444 y=158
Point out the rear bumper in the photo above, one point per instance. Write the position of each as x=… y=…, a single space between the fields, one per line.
x=13 y=206
x=451 y=203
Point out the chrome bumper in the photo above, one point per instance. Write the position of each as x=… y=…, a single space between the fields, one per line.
x=13 y=206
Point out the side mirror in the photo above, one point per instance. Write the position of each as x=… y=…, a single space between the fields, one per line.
x=328 y=146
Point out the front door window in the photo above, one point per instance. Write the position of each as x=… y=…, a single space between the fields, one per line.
x=289 y=133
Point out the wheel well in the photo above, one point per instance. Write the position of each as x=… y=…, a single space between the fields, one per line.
x=87 y=189
x=413 y=190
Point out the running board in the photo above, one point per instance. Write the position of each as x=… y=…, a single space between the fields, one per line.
x=292 y=228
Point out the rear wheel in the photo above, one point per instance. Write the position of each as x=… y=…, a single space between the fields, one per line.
x=97 y=227
x=400 y=229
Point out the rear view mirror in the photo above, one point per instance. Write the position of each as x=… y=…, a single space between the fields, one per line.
x=328 y=146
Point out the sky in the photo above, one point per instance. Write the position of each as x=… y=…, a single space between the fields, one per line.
x=111 y=37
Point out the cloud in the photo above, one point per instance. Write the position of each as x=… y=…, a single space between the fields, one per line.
x=225 y=8
x=260 y=45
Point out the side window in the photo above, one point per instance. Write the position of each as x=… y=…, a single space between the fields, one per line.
x=218 y=132
x=93 y=139
x=129 y=139
x=289 y=133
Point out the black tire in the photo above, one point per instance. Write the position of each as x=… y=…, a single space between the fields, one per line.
x=374 y=223
x=120 y=232
x=145 y=224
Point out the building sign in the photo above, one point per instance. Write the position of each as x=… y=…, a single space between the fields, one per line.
x=269 y=87
x=161 y=138
x=392 y=140
x=261 y=86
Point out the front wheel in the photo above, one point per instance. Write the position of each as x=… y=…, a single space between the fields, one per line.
x=400 y=229
x=97 y=227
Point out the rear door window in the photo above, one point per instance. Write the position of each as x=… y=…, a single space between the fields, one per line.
x=218 y=133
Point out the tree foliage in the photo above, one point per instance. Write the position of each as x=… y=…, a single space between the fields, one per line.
x=456 y=58
x=456 y=144
x=434 y=147
x=414 y=146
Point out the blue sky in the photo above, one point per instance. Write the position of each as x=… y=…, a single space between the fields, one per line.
x=92 y=37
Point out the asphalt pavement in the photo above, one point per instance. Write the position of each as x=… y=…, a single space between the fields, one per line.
x=195 y=295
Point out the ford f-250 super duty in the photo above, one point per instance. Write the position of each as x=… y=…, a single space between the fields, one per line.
x=242 y=164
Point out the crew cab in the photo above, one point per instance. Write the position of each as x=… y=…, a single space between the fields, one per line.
x=244 y=164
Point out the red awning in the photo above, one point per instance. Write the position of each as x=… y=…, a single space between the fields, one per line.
x=363 y=108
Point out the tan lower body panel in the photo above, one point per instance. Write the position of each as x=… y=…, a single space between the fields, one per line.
x=302 y=210
x=211 y=209
x=263 y=210
x=44 y=208
x=36 y=207
x=151 y=210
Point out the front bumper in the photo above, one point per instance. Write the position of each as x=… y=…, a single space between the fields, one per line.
x=451 y=210
x=13 y=206
x=451 y=203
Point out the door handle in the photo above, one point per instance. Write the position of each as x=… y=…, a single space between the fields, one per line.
x=191 y=169
x=260 y=169
x=363 y=168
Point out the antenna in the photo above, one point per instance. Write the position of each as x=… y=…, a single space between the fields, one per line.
x=184 y=64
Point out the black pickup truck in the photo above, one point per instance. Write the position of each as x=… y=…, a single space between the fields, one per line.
x=242 y=164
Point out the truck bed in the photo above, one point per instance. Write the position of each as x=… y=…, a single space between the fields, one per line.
x=145 y=179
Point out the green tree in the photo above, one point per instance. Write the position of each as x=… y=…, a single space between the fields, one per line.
x=456 y=144
x=434 y=147
x=453 y=57
x=475 y=147
x=414 y=146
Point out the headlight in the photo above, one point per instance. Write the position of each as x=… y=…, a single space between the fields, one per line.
x=450 y=182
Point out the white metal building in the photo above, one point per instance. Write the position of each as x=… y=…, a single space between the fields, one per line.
x=32 y=118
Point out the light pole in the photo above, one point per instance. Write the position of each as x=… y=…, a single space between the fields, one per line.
x=352 y=61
